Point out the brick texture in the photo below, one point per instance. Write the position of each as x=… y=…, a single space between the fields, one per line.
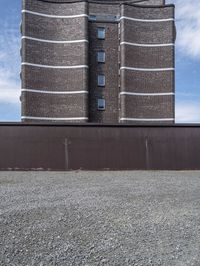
x=54 y=54
x=54 y=80
x=136 y=81
x=109 y=68
x=63 y=54
x=148 y=107
x=69 y=105
x=85 y=53
x=147 y=82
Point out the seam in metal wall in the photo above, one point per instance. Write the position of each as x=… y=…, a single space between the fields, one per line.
x=93 y=147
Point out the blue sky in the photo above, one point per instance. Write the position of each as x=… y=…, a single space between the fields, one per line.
x=187 y=60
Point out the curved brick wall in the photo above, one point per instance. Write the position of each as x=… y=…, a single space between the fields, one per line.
x=52 y=63
x=37 y=103
x=145 y=2
x=147 y=63
x=60 y=67
x=96 y=8
x=147 y=82
x=147 y=106
x=51 y=79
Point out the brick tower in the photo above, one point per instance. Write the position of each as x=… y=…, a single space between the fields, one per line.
x=98 y=61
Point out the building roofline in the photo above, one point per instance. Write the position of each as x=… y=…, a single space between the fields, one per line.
x=110 y=2
x=119 y=125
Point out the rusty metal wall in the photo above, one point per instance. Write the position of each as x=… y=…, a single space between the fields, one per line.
x=94 y=147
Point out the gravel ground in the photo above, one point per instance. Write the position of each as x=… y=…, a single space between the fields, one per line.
x=100 y=218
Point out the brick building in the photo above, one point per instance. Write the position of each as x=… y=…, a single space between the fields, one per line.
x=98 y=61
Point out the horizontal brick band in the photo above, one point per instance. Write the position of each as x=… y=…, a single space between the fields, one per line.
x=57 y=106
x=147 y=82
x=146 y=94
x=51 y=79
x=54 y=92
x=148 y=45
x=147 y=69
x=54 y=118
x=148 y=107
x=147 y=20
x=154 y=33
x=147 y=119
x=147 y=57
x=64 y=9
x=48 y=29
x=52 y=16
x=148 y=13
x=106 y=9
x=52 y=41
x=60 y=67
x=85 y=15
x=52 y=54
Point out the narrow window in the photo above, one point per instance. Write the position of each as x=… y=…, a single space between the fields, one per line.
x=101 y=104
x=101 y=80
x=101 y=32
x=101 y=57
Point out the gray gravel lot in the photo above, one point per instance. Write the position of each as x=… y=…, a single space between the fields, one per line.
x=100 y=218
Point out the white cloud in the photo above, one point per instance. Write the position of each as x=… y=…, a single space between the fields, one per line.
x=187 y=112
x=9 y=88
x=188 y=27
x=9 y=62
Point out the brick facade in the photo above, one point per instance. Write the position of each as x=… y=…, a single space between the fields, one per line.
x=60 y=67
x=57 y=68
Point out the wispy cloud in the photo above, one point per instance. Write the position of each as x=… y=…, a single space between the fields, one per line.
x=187 y=112
x=188 y=27
x=9 y=62
x=188 y=59
x=9 y=88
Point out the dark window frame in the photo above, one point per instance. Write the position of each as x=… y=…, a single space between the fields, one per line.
x=101 y=104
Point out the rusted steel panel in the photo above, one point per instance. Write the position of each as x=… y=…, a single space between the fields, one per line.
x=94 y=147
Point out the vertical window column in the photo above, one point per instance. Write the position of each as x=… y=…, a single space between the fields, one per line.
x=101 y=80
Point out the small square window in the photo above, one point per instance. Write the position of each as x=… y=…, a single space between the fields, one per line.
x=101 y=104
x=101 y=80
x=101 y=32
x=101 y=56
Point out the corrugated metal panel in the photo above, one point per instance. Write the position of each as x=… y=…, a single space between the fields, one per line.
x=94 y=147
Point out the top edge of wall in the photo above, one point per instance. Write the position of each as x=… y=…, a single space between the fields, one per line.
x=137 y=3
